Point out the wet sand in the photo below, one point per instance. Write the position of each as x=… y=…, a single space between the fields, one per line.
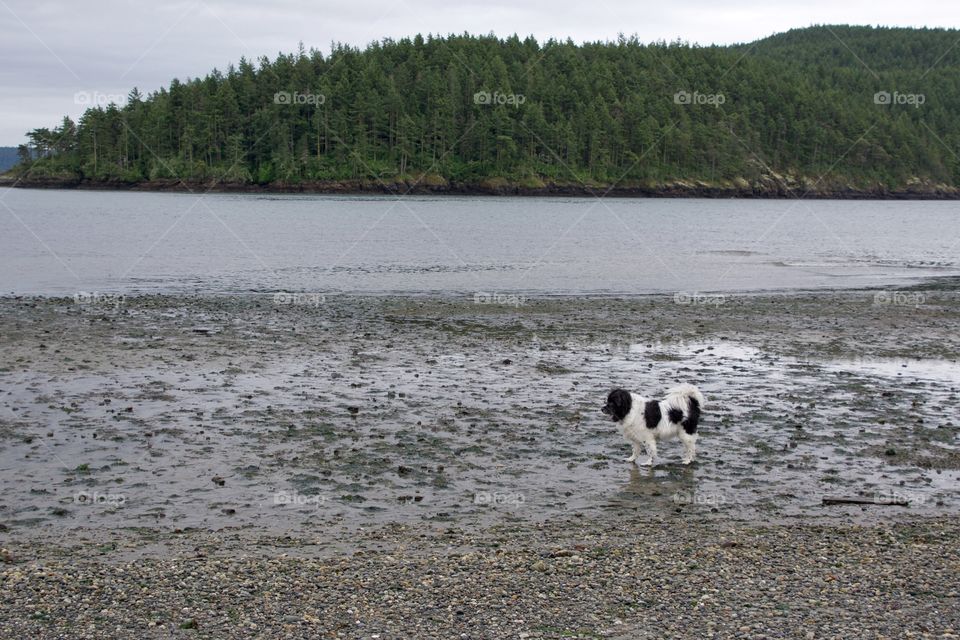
x=198 y=429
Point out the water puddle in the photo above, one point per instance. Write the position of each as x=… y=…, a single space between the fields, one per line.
x=944 y=371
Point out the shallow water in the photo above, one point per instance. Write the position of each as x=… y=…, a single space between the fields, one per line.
x=66 y=242
x=944 y=371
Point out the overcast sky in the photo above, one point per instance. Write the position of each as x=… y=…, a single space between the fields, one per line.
x=51 y=51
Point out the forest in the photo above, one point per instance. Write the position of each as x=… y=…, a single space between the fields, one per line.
x=838 y=105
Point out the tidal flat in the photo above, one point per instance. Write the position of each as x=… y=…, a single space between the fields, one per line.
x=323 y=441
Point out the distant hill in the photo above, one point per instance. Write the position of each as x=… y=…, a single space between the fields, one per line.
x=825 y=109
x=8 y=158
x=862 y=48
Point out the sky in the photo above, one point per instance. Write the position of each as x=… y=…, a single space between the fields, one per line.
x=61 y=56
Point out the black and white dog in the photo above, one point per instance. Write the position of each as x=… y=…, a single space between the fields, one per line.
x=643 y=422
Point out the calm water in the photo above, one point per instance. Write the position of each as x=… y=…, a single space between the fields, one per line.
x=63 y=242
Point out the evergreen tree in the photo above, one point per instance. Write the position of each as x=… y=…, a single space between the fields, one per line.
x=474 y=108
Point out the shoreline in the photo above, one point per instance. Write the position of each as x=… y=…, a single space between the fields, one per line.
x=929 y=282
x=679 y=189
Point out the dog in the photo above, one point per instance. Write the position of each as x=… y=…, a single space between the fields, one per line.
x=643 y=422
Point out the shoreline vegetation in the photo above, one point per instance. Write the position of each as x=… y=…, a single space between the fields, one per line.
x=794 y=114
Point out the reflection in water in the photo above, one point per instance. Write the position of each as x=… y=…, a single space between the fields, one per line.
x=660 y=487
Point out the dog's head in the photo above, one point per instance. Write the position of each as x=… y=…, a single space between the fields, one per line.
x=618 y=404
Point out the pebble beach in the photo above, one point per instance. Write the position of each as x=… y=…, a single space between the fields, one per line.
x=393 y=467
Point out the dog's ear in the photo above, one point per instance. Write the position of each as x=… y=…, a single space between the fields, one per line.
x=620 y=403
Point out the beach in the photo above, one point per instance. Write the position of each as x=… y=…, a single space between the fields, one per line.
x=321 y=465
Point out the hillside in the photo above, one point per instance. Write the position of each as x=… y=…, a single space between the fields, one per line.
x=830 y=110
x=862 y=48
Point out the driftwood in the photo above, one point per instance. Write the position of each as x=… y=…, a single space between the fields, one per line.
x=883 y=502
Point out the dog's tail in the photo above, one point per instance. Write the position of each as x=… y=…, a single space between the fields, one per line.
x=687 y=399
x=681 y=395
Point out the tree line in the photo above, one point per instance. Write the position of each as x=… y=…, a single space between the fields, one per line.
x=853 y=105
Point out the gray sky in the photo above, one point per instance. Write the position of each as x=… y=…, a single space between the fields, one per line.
x=57 y=54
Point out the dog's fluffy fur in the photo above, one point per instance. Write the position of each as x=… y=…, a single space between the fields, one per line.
x=643 y=421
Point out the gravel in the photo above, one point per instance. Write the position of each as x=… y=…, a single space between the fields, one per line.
x=620 y=579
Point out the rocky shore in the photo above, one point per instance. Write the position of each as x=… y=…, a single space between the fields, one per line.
x=774 y=186
x=629 y=578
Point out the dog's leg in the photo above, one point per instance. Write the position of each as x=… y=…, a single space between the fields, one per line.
x=651 y=447
x=636 y=452
x=689 y=446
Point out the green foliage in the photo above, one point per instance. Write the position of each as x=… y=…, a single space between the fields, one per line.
x=479 y=109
